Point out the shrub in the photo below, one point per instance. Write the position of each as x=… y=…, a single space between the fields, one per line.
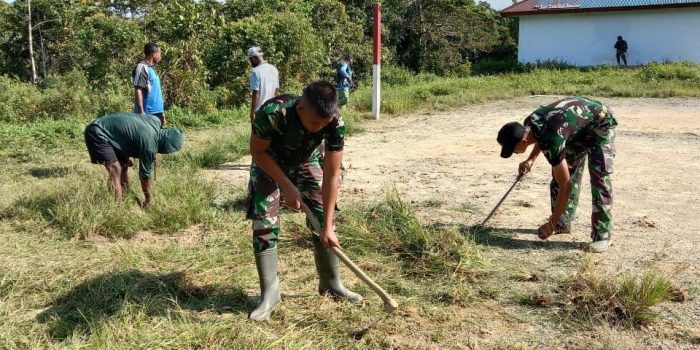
x=66 y=96
x=396 y=75
x=684 y=71
x=18 y=101
x=60 y=97
x=488 y=66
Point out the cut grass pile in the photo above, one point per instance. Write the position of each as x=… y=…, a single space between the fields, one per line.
x=591 y=298
x=627 y=301
x=391 y=227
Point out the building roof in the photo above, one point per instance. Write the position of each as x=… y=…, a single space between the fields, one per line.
x=541 y=7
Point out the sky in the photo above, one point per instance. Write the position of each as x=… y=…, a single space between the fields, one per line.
x=500 y=4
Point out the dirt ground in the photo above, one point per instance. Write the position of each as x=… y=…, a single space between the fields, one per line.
x=448 y=165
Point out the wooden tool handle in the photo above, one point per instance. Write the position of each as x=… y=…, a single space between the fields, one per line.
x=389 y=303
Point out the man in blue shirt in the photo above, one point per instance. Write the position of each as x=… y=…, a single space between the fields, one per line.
x=344 y=79
x=148 y=96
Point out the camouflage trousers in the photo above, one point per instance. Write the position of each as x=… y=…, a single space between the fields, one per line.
x=263 y=201
x=599 y=148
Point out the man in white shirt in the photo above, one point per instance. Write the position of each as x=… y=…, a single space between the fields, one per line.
x=264 y=81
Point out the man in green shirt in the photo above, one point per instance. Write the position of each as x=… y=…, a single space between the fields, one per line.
x=567 y=132
x=286 y=133
x=112 y=139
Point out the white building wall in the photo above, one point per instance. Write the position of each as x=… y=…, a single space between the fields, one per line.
x=587 y=39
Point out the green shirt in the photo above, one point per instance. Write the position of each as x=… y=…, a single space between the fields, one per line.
x=566 y=121
x=278 y=121
x=133 y=135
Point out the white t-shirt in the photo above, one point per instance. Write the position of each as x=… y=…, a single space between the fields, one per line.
x=264 y=80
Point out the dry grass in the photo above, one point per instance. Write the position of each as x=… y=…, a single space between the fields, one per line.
x=626 y=301
x=154 y=290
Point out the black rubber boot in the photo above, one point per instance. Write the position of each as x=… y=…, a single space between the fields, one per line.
x=328 y=268
x=270 y=298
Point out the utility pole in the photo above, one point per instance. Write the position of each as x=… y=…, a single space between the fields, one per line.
x=377 y=61
x=31 y=42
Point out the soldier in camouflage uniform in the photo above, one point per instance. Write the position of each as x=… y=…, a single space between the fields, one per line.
x=566 y=132
x=284 y=144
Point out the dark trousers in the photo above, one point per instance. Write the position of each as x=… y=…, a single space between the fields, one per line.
x=621 y=55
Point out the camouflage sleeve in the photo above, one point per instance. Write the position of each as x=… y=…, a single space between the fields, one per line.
x=335 y=137
x=552 y=142
x=549 y=129
x=266 y=121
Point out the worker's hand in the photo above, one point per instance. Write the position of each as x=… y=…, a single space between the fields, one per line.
x=525 y=167
x=328 y=238
x=546 y=230
x=292 y=197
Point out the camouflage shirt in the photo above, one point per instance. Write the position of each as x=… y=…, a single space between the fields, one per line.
x=566 y=121
x=278 y=121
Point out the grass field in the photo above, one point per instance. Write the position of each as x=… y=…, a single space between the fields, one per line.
x=80 y=271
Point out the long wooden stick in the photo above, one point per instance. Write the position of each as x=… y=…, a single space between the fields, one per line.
x=501 y=201
x=389 y=303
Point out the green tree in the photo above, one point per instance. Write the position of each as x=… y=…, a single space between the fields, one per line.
x=107 y=46
x=288 y=41
x=438 y=36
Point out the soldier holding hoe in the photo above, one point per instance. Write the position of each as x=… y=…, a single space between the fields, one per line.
x=286 y=133
x=567 y=132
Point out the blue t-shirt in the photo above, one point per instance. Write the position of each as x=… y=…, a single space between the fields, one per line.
x=145 y=76
x=344 y=75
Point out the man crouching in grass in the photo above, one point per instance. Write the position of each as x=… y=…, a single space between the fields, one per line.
x=287 y=131
x=113 y=139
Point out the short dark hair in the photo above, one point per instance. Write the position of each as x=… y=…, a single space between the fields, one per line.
x=321 y=95
x=150 y=49
x=619 y=37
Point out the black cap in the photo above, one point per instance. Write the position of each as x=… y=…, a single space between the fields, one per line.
x=509 y=136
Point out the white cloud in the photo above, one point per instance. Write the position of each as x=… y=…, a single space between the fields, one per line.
x=499 y=4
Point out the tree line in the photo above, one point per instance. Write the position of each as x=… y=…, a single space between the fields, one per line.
x=204 y=41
